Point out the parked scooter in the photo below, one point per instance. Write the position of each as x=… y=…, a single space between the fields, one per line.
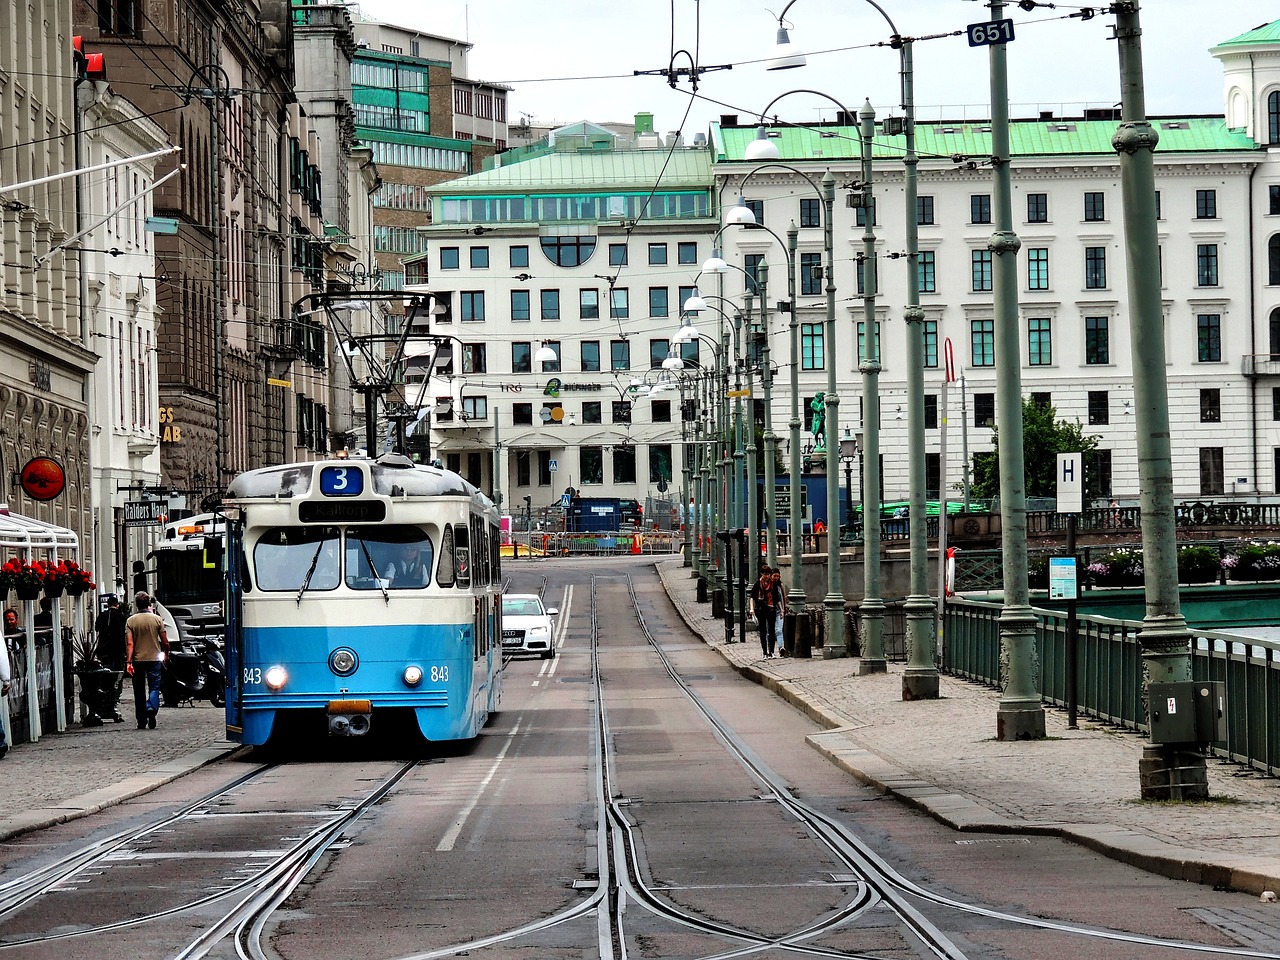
x=194 y=670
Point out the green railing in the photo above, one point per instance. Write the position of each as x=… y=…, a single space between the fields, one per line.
x=1109 y=672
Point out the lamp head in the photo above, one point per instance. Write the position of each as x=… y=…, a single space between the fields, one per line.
x=545 y=354
x=686 y=332
x=740 y=214
x=761 y=148
x=695 y=302
x=785 y=55
x=715 y=263
x=673 y=362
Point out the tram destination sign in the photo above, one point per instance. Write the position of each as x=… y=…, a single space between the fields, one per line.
x=143 y=513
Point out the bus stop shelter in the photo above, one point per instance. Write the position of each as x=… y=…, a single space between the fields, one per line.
x=42 y=693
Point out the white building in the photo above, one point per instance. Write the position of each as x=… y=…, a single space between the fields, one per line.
x=119 y=264
x=576 y=252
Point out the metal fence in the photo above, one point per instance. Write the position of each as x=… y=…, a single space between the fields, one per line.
x=1110 y=675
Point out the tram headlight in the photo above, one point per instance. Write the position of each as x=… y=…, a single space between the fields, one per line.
x=412 y=676
x=343 y=661
x=275 y=678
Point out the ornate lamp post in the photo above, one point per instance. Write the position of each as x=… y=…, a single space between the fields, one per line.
x=920 y=680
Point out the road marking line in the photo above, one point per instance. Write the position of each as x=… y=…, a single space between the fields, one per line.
x=451 y=835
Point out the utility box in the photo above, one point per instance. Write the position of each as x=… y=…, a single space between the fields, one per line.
x=1187 y=712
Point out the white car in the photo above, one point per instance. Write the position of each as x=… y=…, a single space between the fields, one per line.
x=526 y=625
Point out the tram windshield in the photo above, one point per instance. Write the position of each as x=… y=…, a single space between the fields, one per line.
x=310 y=558
x=388 y=556
x=298 y=558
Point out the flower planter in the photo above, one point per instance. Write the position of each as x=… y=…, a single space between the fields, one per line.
x=26 y=592
x=53 y=591
x=75 y=589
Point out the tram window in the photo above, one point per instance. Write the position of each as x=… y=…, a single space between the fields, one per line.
x=444 y=570
x=296 y=558
x=462 y=556
x=396 y=557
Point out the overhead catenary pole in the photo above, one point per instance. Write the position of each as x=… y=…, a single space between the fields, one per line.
x=1020 y=714
x=1166 y=771
x=873 y=608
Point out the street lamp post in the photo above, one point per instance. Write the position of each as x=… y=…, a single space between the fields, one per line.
x=920 y=680
x=796 y=624
x=848 y=453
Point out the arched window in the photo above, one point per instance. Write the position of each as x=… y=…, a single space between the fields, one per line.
x=1273 y=260
x=1275 y=334
x=1273 y=117
x=568 y=251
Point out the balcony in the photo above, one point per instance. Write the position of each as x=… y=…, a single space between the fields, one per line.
x=1261 y=365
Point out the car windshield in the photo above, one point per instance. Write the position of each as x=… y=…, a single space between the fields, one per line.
x=521 y=607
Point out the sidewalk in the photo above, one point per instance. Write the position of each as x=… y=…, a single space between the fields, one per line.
x=941 y=757
x=73 y=774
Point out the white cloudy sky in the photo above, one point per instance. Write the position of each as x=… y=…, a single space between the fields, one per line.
x=574 y=59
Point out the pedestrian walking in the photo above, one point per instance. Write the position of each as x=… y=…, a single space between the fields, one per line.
x=767 y=599
x=146 y=644
x=110 y=628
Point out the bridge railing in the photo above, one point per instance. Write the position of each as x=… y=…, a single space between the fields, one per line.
x=1110 y=676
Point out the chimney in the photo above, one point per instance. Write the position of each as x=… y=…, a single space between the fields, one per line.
x=728 y=119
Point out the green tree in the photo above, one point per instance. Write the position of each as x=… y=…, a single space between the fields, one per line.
x=1043 y=438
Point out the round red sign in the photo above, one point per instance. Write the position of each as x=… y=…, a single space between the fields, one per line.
x=43 y=478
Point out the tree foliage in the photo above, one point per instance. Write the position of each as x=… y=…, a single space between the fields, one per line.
x=1043 y=438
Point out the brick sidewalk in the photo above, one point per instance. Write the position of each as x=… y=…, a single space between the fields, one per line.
x=64 y=775
x=941 y=756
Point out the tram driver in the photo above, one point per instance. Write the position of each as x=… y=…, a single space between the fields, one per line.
x=407 y=569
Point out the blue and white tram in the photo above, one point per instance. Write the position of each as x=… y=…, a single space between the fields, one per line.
x=366 y=590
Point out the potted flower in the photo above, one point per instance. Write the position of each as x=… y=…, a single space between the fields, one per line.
x=76 y=580
x=55 y=581
x=28 y=578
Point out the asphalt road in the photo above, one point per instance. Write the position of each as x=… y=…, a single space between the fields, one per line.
x=496 y=837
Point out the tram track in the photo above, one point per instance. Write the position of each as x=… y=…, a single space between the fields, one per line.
x=882 y=880
x=260 y=892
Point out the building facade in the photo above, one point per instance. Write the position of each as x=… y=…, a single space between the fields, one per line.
x=571 y=251
x=46 y=357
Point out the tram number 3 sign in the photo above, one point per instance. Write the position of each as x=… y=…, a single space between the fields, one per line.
x=990 y=32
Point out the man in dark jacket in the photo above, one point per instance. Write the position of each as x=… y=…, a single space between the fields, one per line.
x=110 y=630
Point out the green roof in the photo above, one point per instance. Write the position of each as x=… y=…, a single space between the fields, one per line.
x=591 y=171
x=1265 y=33
x=945 y=139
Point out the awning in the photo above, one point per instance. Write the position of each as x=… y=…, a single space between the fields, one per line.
x=33 y=539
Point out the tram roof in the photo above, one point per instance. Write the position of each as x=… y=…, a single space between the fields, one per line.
x=392 y=475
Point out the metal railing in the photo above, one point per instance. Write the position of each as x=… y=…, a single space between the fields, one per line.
x=1109 y=665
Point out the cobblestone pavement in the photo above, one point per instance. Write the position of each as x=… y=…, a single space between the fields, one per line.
x=71 y=774
x=941 y=756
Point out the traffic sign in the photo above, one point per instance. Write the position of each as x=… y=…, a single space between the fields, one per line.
x=143 y=513
x=782 y=500
x=738 y=393
x=553 y=466
x=1070 y=483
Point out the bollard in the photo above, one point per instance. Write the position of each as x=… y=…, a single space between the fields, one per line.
x=702 y=589
x=801 y=640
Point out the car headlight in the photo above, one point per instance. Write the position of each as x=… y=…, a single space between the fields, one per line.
x=412 y=676
x=539 y=631
x=275 y=678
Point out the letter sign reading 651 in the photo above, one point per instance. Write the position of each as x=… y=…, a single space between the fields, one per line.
x=993 y=31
